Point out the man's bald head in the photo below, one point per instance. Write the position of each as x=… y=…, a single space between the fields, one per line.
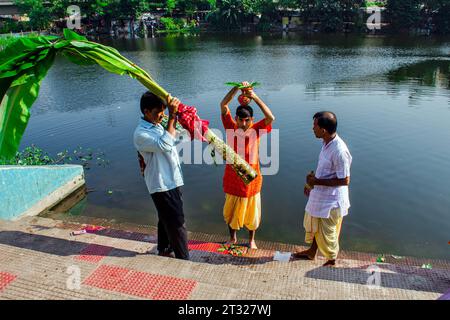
x=326 y=120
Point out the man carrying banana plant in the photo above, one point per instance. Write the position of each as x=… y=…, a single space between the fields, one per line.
x=162 y=172
x=243 y=201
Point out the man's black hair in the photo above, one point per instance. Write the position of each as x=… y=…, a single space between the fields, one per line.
x=326 y=120
x=244 y=112
x=151 y=101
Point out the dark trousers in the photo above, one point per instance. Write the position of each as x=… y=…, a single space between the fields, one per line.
x=172 y=234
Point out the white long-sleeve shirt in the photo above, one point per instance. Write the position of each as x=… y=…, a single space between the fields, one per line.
x=158 y=148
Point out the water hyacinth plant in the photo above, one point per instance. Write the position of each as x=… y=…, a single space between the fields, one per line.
x=35 y=156
x=25 y=62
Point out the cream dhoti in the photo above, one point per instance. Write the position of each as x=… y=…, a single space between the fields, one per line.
x=326 y=232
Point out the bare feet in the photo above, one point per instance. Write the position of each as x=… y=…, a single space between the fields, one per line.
x=231 y=241
x=252 y=245
x=330 y=263
x=304 y=255
x=233 y=236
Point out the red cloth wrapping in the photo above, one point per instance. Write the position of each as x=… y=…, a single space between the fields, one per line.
x=189 y=120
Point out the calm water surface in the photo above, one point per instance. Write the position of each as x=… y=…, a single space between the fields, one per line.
x=391 y=96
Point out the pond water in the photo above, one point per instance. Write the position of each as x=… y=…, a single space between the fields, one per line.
x=391 y=96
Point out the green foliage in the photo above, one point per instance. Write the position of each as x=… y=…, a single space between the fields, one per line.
x=439 y=11
x=442 y=19
x=23 y=65
x=374 y=4
x=39 y=14
x=403 y=14
x=8 y=26
x=7 y=40
x=172 y=24
x=34 y=156
x=178 y=25
x=331 y=14
x=42 y=12
x=240 y=86
x=127 y=8
x=230 y=14
x=170 y=6
x=212 y=4
x=233 y=14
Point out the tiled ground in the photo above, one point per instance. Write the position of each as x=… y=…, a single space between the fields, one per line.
x=39 y=259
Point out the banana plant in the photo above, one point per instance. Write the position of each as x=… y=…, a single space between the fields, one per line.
x=26 y=61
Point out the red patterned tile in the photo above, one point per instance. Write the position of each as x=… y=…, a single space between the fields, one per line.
x=5 y=279
x=140 y=284
x=94 y=253
x=107 y=277
x=174 y=289
x=203 y=246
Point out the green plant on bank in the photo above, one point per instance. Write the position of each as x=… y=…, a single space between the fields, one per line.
x=374 y=4
x=34 y=156
x=173 y=23
x=177 y=25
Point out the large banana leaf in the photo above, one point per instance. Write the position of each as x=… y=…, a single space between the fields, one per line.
x=25 y=62
x=18 y=94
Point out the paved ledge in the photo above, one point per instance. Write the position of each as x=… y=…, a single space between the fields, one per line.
x=40 y=259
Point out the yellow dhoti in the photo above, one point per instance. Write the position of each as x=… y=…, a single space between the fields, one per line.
x=326 y=231
x=241 y=212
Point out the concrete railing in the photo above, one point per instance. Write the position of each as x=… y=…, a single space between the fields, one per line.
x=29 y=190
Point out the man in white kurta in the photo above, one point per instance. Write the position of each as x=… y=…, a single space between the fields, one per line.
x=327 y=191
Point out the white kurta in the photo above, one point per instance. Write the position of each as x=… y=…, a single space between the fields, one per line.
x=334 y=162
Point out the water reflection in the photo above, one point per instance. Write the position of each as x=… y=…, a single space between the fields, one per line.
x=433 y=73
x=421 y=80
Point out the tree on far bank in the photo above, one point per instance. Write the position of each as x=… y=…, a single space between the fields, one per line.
x=38 y=13
x=403 y=14
x=439 y=12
